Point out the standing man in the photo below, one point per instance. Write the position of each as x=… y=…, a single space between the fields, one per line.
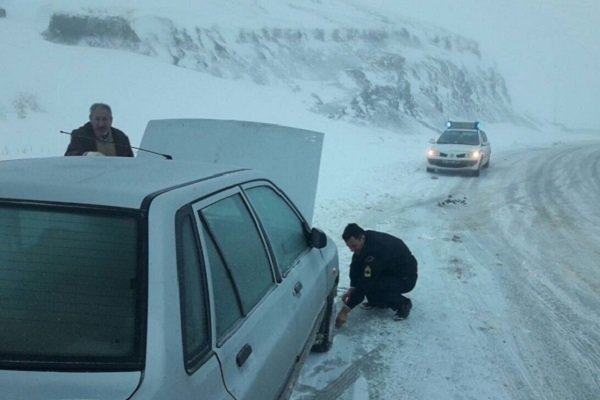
x=98 y=136
x=382 y=269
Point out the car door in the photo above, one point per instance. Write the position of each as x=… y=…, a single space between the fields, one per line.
x=201 y=364
x=252 y=316
x=487 y=148
x=302 y=267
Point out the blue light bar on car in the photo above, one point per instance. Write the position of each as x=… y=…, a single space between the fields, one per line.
x=462 y=125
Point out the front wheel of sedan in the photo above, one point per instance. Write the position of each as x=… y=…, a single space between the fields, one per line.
x=324 y=338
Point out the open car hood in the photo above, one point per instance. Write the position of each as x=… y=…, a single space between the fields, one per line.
x=289 y=156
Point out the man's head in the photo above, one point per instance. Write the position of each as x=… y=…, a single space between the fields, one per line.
x=101 y=119
x=354 y=236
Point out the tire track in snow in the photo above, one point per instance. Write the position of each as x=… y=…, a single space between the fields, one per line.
x=556 y=341
x=335 y=388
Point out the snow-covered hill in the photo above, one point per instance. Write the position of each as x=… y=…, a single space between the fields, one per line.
x=340 y=59
x=384 y=74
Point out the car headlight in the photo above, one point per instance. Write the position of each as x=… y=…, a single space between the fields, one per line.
x=433 y=153
x=475 y=154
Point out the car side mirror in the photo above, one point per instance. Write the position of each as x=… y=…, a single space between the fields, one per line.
x=318 y=239
x=431 y=141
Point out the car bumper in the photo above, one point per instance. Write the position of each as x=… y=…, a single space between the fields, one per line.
x=453 y=164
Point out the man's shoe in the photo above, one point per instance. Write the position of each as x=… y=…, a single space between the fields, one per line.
x=403 y=311
x=367 y=306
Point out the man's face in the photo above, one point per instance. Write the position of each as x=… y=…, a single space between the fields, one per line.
x=355 y=245
x=101 y=121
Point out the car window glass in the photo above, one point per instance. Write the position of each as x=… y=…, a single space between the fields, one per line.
x=448 y=137
x=227 y=307
x=69 y=285
x=239 y=241
x=468 y=137
x=459 y=137
x=284 y=228
x=193 y=298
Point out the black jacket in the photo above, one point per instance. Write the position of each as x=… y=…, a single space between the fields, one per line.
x=83 y=139
x=383 y=260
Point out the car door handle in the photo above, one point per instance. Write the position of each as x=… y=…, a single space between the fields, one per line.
x=298 y=288
x=243 y=355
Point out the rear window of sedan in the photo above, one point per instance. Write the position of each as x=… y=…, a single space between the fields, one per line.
x=69 y=288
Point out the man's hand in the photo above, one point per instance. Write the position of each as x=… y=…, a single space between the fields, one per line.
x=92 y=153
x=342 y=316
x=346 y=296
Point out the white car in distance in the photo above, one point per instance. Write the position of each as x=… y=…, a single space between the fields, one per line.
x=463 y=147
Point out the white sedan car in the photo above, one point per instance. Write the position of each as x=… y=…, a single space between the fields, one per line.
x=165 y=276
x=147 y=278
x=463 y=147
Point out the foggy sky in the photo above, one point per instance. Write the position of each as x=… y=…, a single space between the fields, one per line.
x=548 y=50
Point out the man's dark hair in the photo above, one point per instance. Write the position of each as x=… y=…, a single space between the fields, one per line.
x=94 y=106
x=352 y=230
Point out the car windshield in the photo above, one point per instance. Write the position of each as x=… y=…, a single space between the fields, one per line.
x=459 y=137
x=68 y=288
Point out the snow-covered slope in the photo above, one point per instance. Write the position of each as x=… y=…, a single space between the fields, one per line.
x=339 y=59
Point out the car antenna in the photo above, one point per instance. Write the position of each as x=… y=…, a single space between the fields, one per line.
x=167 y=156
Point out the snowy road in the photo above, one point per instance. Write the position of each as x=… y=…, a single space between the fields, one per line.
x=508 y=300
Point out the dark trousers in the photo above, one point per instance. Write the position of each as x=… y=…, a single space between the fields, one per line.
x=387 y=292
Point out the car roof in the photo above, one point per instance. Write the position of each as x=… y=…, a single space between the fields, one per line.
x=462 y=130
x=109 y=181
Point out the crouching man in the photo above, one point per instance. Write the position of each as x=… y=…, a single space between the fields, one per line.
x=382 y=269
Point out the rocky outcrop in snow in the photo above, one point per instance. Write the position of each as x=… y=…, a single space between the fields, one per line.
x=387 y=77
